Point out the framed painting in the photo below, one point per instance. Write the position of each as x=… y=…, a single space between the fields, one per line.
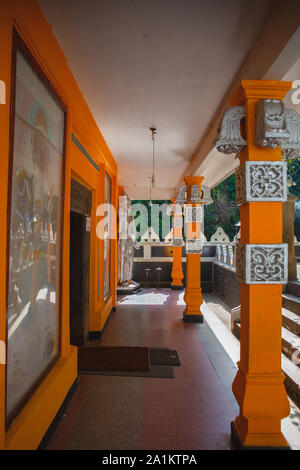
x=35 y=208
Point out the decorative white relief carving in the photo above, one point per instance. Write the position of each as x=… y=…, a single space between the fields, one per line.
x=219 y=236
x=181 y=197
x=193 y=246
x=178 y=241
x=192 y=214
x=206 y=195
x=262 y=264
x=271 y=126
x=261 y=181
x=291 y=147
x=230 y=139
x=278 y=127
x=195 y=195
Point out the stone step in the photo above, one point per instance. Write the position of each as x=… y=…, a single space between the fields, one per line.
x=291 y=302
x=292 y=378
x=293 y=287
x=290 y=343
x=290 y=370
x=291 y=321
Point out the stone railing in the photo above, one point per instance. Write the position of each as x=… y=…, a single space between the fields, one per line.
x=225 y=255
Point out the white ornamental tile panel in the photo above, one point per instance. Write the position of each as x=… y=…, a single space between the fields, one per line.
x=177 y=222
x=261 y=181
x=193 y=246
x=262 y=264
x=177 y=241
x=192 y=214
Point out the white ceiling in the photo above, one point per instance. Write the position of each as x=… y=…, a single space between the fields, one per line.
x=162 y=63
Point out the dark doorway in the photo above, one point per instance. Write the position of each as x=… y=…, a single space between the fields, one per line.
x=79 y=263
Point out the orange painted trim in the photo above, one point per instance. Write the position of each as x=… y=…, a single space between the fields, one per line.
x=259 y=89
x=32 y=423
x=6 y=21
x=105 y=312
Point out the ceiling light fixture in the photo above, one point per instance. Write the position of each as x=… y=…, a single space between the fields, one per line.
x=153 y=131
x=150 y=186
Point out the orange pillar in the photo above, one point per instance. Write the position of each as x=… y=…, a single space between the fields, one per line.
x=259 y=383
x=193 y=295
x=177 y=273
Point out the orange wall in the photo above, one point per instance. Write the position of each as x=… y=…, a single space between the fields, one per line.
x=26 y=16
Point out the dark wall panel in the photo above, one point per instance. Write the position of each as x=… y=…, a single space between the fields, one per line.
x=226 y=285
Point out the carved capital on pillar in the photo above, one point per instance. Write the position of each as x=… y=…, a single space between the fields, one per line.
x=261 y=182
x=271 y=128
x=291 y=147
x=191 y=183
x=177 y=241
x=181 y=196
x=262 y=264
x=230 y=140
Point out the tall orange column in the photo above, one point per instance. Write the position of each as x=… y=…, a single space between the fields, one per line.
x=177 y=273
x=259 y=383
x=193 y=295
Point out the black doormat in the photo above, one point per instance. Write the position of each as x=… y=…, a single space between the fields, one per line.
x=121 y=361
x=164 y=357
x=113 y=358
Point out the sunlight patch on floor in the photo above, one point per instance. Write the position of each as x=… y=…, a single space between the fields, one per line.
x=180 y=300
x=150 y=298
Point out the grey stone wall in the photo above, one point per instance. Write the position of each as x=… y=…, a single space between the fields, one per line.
x=226 y=285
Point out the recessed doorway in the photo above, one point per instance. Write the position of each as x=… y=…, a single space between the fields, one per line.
x=81 y=200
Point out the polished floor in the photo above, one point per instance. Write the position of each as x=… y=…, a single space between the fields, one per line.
x=191 y=411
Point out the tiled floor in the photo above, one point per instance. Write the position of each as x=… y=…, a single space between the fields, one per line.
x=191 y=411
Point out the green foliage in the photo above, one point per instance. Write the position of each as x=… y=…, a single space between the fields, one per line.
x=223 y=212
x=294 y=172
x=148 y=222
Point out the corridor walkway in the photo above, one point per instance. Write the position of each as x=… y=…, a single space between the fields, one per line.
x=191 y=411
